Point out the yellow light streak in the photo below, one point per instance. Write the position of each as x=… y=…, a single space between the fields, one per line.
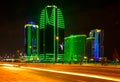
x=11 y=65
x=76 y=74
x=12 y=68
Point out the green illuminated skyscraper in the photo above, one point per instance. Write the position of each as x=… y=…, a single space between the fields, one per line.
x=51 y=34
x=74 y=48
x=31 y=39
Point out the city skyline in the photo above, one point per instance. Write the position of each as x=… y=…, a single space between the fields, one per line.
x=80 y=18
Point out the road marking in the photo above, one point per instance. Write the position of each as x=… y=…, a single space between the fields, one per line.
x=77 y=74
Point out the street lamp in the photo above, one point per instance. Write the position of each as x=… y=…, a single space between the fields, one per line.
x=85 y=59
x=57 y=38
x=30 y=47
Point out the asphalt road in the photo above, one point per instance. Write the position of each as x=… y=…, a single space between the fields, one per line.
x=58 y=73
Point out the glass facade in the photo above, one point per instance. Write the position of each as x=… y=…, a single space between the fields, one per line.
x=31 y=39
x=74 y=48
x=98 y=35
x=90 y=47
x=51 y=36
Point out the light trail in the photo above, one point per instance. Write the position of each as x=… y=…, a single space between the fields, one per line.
x=12 y=68
x=76 y=74
x=69 y=73
x=10 y=65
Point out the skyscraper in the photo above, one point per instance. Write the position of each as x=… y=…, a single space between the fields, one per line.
x=31 y=39
x=98 y=36
x=51 y=34
x=74 y=48
x=90 y=47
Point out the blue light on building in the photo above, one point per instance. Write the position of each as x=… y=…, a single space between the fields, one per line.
x=97 y=34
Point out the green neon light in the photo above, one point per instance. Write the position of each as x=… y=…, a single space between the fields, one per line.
x=60 y=20
x=29 y=40
x=54 y=22
x=51 y=17
x=42 y=19
x=37 y=33
x=74 y=48
x=89 y=38
x=32 y=39
x=45 y=19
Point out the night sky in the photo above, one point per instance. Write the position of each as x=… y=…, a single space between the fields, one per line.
x=80 y=18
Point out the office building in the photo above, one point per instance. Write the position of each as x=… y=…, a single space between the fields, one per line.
x=74 y=48
x=51 y=34
x=31 y=31
x=98 y=36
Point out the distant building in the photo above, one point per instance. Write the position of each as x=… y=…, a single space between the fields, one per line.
x=98 y=36
x=51 y=36
x=31 y=39
x=90 y=47
x=74 y=48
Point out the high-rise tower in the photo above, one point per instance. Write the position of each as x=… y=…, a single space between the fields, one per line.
x=90 y=47
x=51 y=34
x=75 y=48
x=31 y=39
x=98 y=36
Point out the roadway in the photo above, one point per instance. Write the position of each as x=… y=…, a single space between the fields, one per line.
x=57 y=73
